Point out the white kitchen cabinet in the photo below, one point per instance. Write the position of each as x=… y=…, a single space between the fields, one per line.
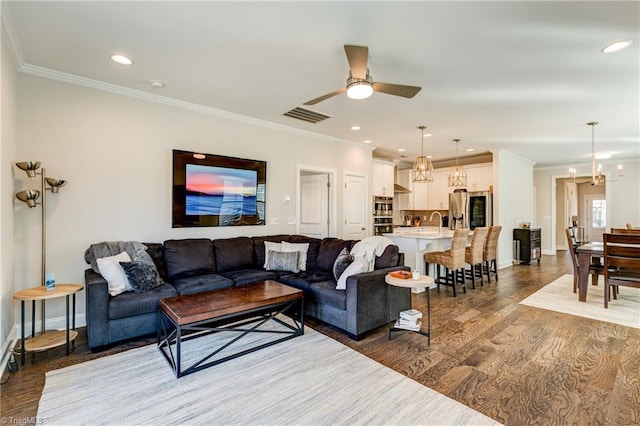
x=439 y=191
x=420 y=192
x=383 y=179
x=479 y=178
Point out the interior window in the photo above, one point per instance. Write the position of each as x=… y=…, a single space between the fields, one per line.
x=599 y=213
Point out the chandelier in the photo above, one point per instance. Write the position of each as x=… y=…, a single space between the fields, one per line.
x=457 y=175
x=599 y=178
x=422 y=170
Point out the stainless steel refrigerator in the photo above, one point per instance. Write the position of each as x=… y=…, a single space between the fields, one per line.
x=459 y=209
x=470 y=209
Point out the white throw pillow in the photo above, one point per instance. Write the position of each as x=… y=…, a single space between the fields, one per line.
x=357 y=266
x=301 y=248
x=269 y=246
x=111 y=270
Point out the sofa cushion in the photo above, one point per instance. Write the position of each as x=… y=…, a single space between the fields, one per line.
x=330 y=248
x=388 y=258
x=258 y=246
x=325 y=292
x=188 y=257
x=200 y=283
x=343 y=260
x=302 y=249
x=312 y=251
x=303 y=280
x=156 y=252
x=250 y=276
x=130 y=304
x=282 y=261
x=234 y=253
x=113 y=272
x=142 y=276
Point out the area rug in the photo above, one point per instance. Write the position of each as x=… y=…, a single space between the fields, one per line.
x=308 y=380
x=559 y=296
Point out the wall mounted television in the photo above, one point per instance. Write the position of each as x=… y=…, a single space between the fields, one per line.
x=214 y=190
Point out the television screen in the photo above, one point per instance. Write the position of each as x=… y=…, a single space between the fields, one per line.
x=214 y=190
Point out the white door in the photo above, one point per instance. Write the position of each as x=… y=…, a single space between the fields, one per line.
x=355 y=207
x=314 y=204
x=596 y=219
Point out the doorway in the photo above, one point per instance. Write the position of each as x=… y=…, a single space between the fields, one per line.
x=595 y=216
x=315 y=210
x=355 y=202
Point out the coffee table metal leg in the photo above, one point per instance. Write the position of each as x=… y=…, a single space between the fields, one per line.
x=22 y=351
x=67 y=330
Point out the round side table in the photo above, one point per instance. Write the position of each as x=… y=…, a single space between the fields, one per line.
x=424 y=281
x=50 y=339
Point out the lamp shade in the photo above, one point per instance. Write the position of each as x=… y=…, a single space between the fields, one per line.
x=55 y=184
x=28 y=196
x=29 y=166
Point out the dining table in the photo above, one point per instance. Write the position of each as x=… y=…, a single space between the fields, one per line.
x=585 y=253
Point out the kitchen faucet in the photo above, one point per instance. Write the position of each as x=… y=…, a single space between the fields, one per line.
x=439 y=222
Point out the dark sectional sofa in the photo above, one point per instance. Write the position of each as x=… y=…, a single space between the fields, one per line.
x=196 y=265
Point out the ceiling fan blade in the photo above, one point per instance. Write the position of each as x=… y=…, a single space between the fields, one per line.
x=357 y=57
x=327 y=96
x=396 y=89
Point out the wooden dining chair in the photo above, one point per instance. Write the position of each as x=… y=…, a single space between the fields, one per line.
x=595 y=269
x=621 y=262
x=473 y=254
x=490 y=254
x=630 y=231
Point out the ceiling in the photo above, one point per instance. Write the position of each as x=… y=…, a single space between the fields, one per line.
x=519 y=76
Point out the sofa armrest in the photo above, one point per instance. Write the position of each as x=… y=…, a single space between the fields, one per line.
x=367 y=306
x=97 y=309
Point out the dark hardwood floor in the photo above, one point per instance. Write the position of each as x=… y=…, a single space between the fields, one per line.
x=516 y=364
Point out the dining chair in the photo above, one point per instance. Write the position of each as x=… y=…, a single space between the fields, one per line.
x=452 y=260
x=621 y=262
x=628 y=225
x=474 y=254
x=491 y=252
x=625 y=231
x=595 y=269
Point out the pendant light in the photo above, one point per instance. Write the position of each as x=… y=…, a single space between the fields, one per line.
x=599 y=178
x=457 y=175
x=422 y=170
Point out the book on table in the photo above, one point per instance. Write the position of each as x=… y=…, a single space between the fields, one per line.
x=408 y=325
x=411 y=314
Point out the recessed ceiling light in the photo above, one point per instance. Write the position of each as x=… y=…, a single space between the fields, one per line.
x=367 y=141
x=355 y=127
x=470 y=149
x=401 y=150
x=603 y=155
x=121 y=59
x=157 y=84
x=427 y=135
x=615 y=46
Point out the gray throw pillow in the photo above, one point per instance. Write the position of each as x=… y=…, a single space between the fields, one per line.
x=282 y=261
x=343 y=260
x=142 y=276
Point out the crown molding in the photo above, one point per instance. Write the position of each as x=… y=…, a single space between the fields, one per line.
x=10 y=37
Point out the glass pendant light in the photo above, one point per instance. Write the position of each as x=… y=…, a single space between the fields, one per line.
x=422 y=170
x=457 y=175
x=599 y=178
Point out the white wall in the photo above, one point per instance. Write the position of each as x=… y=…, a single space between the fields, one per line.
x=623 y=196
x=116 y=153
x=7 y=153
x=513 y=199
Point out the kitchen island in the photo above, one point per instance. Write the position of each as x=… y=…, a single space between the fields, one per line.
x=415 y=242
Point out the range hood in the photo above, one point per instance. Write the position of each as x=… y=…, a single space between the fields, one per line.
x=397 y=188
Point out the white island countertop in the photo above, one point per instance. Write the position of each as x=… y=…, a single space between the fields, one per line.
x=415 y=242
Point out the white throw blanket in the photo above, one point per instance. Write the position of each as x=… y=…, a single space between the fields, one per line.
x=368 y=248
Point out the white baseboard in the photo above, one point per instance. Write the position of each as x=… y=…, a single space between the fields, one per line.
x=7 y=347
x=549 y=252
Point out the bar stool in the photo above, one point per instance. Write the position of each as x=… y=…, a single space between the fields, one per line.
x=452 y=260
x=474 y=254
x=490 y=252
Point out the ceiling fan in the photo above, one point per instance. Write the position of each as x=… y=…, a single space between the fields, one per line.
x=360 y=85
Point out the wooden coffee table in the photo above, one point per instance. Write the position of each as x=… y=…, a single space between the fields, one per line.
x=243 y=310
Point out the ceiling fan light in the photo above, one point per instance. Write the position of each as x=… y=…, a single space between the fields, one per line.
x=360 y=89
